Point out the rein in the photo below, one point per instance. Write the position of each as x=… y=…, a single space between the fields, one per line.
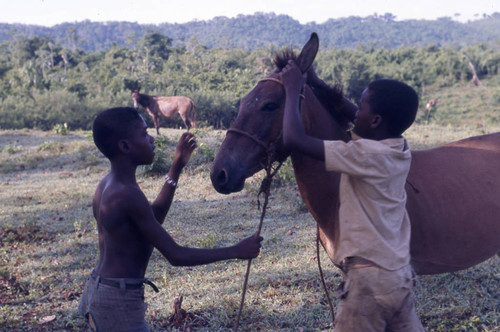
x=265 y=188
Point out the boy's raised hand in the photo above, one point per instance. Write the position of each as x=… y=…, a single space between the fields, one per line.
x=249 y=247
x=292 y=77
x=185 y=147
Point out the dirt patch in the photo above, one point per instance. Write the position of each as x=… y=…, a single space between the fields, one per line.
x=184 y=320
x=10 y=288
x=10 y=235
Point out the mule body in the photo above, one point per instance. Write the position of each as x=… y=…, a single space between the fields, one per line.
x=452 y=201
x=453 y=194
x=452 y=191
x=168 y=107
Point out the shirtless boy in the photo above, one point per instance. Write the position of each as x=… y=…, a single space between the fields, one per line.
x=129 y=226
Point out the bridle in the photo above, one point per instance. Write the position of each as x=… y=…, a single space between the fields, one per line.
x=270 y=148
x=252 y=137
x=263 y=144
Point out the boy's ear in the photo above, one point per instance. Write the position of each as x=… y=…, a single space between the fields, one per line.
x=123 y=146
x=376 y=121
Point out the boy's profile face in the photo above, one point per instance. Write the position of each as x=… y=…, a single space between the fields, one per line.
x=141 y=144
x=365 y=117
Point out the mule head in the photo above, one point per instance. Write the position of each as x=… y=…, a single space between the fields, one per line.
x=255 y=134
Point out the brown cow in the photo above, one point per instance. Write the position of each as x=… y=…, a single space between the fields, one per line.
x=167 y=106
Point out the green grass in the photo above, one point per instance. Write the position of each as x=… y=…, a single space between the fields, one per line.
x=48 y=245
x=463 y=103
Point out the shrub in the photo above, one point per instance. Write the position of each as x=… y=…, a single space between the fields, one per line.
x=163 y=159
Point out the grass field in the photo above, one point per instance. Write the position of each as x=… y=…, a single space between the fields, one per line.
x=48 y=245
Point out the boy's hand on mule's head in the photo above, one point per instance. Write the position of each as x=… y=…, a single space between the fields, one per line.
x=292 y=77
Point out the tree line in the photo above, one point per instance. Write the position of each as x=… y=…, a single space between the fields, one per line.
x=44 y=83
x=251 y=32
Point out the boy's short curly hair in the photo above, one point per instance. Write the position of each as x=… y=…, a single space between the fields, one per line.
x=395 y=101
x=112 y=125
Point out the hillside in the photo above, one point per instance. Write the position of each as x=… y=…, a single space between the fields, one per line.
x=264 y=29
x=60 y=82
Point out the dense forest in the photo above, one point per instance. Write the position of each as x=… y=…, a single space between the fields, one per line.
x=66 y=74
x=260 y=30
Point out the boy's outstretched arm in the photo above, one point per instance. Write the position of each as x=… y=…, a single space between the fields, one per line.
x=294 y=136
x=136 y=206
x=184 y=149
x=245 y=249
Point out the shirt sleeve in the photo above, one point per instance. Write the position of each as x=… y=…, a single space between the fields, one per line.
x=349 y=158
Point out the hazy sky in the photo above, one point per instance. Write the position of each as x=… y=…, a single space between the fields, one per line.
x=51 y=12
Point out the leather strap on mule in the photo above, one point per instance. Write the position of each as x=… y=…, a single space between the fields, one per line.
x=252 y=137
x=263 y=144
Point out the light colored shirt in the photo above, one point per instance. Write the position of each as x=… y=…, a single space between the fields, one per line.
x=373 y=221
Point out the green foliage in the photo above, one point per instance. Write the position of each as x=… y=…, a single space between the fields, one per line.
x=51 y=146
x=11 y=148
x=131 y=84
x=209 y=240
x=156 y=45
x=259 y=30
x=88 y=155
x=202 y=155
x=60 y=129
x=44 y=84
x=163 y=157
x=78 y=88
x=285 y=175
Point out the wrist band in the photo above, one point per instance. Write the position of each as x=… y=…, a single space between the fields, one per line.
x=170 y=181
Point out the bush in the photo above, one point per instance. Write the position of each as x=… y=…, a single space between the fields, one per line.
x=163 y=157
x=285 y=175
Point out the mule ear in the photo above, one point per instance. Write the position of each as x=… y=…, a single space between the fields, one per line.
x=308 y=53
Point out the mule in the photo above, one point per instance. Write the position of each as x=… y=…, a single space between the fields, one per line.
x=452 y=190
x=168 y=107
x=430 y=104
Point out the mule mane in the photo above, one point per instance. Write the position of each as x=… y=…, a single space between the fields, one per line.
x=330 y=97
x=281 y=59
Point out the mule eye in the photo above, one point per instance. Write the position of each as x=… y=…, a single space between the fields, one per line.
x=270 y=107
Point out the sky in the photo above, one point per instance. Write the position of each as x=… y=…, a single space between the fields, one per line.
x=52 y=12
